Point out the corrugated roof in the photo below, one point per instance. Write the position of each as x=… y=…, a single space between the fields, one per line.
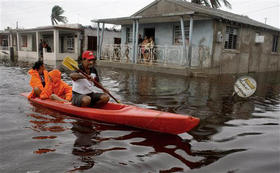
x=223 y=14
x=197 y=9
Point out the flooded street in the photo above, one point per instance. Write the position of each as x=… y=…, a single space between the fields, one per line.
x=235 y=135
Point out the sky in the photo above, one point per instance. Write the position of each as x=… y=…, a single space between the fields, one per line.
x=35 y=13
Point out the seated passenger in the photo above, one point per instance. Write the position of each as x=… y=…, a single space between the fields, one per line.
x=39 y=79
x=57 y=89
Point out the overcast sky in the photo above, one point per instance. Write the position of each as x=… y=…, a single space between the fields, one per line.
x=34 y=13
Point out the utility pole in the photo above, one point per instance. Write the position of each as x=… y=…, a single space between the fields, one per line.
x=78 y=17
x=265 y=19
x=17 y=25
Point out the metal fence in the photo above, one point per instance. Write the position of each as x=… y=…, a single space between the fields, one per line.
x=158 y=54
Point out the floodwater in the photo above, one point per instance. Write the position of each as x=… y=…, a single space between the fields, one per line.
x=235 y=135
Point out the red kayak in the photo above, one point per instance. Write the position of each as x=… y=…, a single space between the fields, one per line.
x=127 y=115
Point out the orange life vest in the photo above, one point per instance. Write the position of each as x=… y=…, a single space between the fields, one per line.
x=57 y=86
x=35 y=81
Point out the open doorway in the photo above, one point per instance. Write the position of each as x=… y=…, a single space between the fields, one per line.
x=149 y=32
x=92 y=43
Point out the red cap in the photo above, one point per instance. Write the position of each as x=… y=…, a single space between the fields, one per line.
x=88 y=55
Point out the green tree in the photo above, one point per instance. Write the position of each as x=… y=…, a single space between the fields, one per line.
x=56 y=15
x=212 y=3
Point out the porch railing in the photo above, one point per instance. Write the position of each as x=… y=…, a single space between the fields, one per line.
x=4 y=47
x=159 y=54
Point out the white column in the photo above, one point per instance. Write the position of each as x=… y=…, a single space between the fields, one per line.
x=183 y=36
x=133 y=41
x=56 y=43
x=18 y=41
x=97 y=51
x=78 y=48
x=190 y=41
x=37 y=44
x=101 y=40
x=136 y=42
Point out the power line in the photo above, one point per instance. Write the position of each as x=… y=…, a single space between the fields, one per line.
x=254 y=11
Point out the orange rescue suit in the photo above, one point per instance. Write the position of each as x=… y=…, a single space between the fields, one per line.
x=35 y=81
x=56 y=86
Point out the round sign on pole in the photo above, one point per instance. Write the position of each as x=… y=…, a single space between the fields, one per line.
x=245 y=86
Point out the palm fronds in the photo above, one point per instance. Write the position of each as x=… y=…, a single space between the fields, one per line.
x=56 y=15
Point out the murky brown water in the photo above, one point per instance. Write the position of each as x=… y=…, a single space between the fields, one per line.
x=235 y=135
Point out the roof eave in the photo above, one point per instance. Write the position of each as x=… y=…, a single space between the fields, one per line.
x=125 y=20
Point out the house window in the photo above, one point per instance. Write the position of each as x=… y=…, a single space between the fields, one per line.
x=275 y=43
x=70 y=43
x=24 y=41
x=178 y=34
x=231 y=38
x=128 y=35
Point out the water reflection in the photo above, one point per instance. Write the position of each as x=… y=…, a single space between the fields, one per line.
x=209 y=99
x=86 y=144
x=52 y=122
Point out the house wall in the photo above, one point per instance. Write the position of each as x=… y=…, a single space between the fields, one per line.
x=107 y=39
x=27 y=56
x=29 y=43
x=249 y=56
x=202 y=41
x=164 y=36
x=65 y=47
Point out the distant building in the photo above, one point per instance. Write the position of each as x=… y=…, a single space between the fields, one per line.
x=196 y=38
x=53 y=43
x=8 y=39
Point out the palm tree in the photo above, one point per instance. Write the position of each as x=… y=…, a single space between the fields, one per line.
x=56 y=17
x=212 y=3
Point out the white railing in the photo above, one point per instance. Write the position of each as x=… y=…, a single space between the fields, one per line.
x=116 y=52
x=162 y=55
x=4 y=47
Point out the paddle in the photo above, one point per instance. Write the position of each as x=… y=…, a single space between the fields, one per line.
x=72 y=65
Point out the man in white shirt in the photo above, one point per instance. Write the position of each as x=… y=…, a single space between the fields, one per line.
x=83 y=93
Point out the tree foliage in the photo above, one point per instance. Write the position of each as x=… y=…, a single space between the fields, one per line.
x=56 y=15
x=212 y=3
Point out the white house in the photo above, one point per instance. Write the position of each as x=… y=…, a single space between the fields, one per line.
x=59 y=41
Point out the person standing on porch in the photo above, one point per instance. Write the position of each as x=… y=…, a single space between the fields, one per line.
x=41 y=48
x=83 y=94
x=144 y=50
x=150 y=46
x=140 y=40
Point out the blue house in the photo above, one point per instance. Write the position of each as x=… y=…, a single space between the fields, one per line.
x=194 y=37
